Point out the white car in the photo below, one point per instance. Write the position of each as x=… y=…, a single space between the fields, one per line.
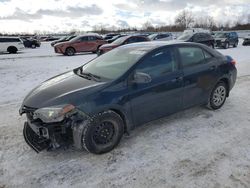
x=11 y=44
x=161 y=36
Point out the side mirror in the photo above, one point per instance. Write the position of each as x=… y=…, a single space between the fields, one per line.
x=141 y=78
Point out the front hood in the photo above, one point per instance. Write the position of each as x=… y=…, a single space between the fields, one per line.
x=109 y=46
x=61 y=43
x=67 y=88
x=220 y=38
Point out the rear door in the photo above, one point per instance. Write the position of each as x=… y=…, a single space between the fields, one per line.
x=200 y=71
x=91 y=44
x=81 y=44
x=163 y=95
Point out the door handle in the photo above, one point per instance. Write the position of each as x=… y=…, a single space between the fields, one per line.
x=177 y=79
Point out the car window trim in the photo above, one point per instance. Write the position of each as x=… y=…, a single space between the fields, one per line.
x=193 y=65
x=152 y=52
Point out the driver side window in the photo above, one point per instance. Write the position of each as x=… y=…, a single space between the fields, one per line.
x=159 y=63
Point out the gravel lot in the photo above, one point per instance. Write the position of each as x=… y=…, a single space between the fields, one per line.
x=193 y=148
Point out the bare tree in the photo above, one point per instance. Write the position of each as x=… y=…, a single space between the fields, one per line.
x=147 y=26
x=184 y=19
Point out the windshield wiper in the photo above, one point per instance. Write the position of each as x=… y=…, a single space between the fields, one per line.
x=89 y=75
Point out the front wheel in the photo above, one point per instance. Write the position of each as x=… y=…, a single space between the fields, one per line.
x=70 y=51
x=12 y=50
x=218 y=96
x=103 y=133
x=226 y=45
x=235 y=44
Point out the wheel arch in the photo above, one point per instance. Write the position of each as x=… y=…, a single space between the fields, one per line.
x=12 y=47
x=70 y=47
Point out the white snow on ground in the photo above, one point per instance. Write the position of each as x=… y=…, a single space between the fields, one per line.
x=193 y=148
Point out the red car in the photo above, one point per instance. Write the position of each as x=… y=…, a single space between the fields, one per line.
x=84 y=43
x=121 y=41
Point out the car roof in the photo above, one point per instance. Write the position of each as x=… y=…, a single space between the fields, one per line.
x=9 y=37
x=156 y=44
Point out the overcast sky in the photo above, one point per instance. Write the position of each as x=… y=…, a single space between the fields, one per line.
x=60 y=15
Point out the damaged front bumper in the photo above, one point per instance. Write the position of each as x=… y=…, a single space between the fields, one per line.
x=35 y=141
x=41 y=136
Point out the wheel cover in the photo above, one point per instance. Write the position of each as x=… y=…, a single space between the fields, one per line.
x=104 y=133
x=219 y=95
x=70 y=51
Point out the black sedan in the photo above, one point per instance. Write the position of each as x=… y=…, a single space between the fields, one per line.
x=92 y=106
x=30 y=42
x=203 y=38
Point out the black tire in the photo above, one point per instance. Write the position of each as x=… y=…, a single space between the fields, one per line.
x=97 y=49
x=235 y=44
x=226 y=46
x=216 y=100
x=70 y=51
x=211 y=46
x=33 y=46
x=103 y=133
x=12 y=50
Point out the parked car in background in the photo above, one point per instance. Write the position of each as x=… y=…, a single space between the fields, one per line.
x=92 y=106
x=11 y=44
x=110 y=36
x=50 y=38
x=203 y=38
x=84 y=43
x=63 y=39
x=30 y=42
x=226 y=39
x=196 y=30
x=161 y=36
x=246 y=41
x=115 y=38
x=121 y=41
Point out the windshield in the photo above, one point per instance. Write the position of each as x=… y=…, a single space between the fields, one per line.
x=151 y=37
x=221 y=35
x=69 y=37
x=185 y=37
x=115 y=63
x=119 y=40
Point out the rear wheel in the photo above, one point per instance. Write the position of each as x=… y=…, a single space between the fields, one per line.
x=70 y=51
x=33 y=46
x=218 y=96
x=12 y=50
x=103 y=133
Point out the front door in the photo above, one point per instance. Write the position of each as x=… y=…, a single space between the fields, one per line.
x=161 y=96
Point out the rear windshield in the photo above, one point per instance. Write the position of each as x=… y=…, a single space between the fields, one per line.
x=185 y=37
x=120 y=40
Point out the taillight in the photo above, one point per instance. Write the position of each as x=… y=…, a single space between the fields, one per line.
x=230 y=60
x=233 y=62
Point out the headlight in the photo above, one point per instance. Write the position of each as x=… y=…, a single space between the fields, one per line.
x=53 y=114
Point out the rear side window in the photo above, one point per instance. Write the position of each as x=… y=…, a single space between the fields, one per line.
x=82 y=39
x=92 y=38
x=140 y=39
x=131 y=40
x=10 y=40
x=159 y=63
x=191 y=56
